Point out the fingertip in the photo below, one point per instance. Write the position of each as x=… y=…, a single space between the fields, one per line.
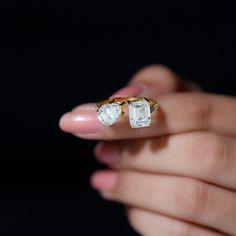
x=107 y=152
x=98 y=149
x=159 y=79
x=103 y=180
x=154 y=70
x=66 y=120
x=63 y=122
x=82 y=121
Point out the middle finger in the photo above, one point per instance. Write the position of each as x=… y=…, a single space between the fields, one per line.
x=203 y=155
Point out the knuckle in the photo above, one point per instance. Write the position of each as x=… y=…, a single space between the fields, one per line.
x=198 y=110
x=196 y=199
x=216 y=156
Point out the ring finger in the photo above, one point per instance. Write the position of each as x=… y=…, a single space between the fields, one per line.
x=149 y=223
x=203 y=155
x=179 y=197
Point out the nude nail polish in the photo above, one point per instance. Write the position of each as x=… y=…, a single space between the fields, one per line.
x=81 y=121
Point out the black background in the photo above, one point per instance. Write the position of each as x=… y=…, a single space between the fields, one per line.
x=54 y=57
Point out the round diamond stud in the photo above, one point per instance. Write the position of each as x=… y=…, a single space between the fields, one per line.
x=108 y=114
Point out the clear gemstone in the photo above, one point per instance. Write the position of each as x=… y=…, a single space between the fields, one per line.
x=108 y=114
x=139 y=114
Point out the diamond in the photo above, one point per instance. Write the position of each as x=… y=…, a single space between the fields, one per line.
x=108 y=114
x=139 y=114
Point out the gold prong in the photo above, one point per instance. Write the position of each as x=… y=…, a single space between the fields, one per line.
x=111 y=101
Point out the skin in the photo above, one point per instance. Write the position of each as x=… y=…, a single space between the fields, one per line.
x=177 y=177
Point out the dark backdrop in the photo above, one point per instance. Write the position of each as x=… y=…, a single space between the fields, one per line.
x=54 y=58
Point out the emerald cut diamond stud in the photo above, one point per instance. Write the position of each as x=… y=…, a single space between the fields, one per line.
x=139 y=114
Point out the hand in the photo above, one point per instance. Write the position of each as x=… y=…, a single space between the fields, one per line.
x=177 y=177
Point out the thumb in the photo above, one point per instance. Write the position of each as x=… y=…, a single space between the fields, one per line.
x=155 y=80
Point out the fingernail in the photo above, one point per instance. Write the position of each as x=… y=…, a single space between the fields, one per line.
x=107 y=153
x=131 y=90
x=104 y=181
x=81 y=121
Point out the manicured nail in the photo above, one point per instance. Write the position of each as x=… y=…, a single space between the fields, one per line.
x=104 y=181
x=81 y=121
x=131 y=90
x=107 y=153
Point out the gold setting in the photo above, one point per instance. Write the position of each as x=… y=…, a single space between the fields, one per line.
x=139 y=112
x=123 y=100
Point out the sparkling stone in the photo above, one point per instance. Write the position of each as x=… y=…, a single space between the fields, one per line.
x=108 y=114
x=139 y=114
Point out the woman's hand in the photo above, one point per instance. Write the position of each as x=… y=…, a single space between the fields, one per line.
x=177 y=177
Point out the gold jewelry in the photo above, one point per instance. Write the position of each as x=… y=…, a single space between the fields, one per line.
x=140 y=109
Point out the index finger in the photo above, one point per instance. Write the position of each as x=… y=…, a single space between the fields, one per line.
x=178 y=113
